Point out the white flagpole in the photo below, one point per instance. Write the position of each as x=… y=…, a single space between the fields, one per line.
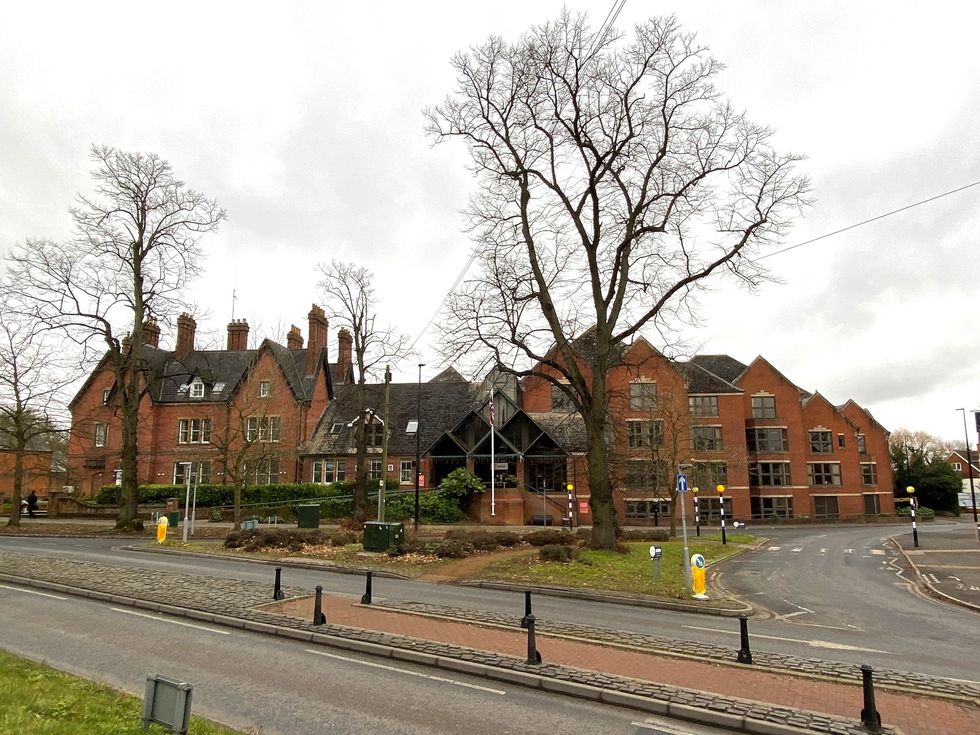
x=493 y=473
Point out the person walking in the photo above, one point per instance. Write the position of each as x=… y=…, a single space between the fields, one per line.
x=31 y=503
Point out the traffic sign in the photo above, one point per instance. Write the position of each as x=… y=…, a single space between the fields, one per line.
x=682 y=483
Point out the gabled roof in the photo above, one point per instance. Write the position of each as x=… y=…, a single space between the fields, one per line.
x=804 y=394
x=701 y=380
x=724 y=366
x=971 y=462
x=819 y=397
x=442 y=404
x=865 y=412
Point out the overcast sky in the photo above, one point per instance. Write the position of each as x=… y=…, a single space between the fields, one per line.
x=304 y=121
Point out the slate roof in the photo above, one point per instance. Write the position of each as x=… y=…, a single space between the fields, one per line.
x=443 y=404
x=701 y=380
x=565 y=427
x=724 y=366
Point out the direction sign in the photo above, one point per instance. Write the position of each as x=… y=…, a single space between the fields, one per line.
x=682 y=483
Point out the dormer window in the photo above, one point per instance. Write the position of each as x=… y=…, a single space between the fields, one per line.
x=336 y=428
x=217 y=389
x=197 y=388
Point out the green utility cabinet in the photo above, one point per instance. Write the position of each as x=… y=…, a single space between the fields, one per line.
x=173 y=518
x=380 y=536
x=307 y=516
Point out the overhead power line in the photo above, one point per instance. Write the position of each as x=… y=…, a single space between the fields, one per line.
x=867 y=221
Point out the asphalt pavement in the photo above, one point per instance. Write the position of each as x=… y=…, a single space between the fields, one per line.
x=946 y=560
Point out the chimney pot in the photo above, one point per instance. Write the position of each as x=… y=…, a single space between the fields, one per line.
x=186 y=326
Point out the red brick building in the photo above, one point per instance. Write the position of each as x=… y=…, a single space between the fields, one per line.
x=284 y=414
x=223 y=415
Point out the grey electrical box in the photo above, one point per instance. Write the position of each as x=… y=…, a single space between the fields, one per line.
x=167 y=702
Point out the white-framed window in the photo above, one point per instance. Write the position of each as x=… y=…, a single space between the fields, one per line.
x=105 y=396
x=706 y=438
x=655 y=508
x=194 y=431
x=262 y=472
x=197 y=388
x=643 y=395
x=958 y=466
x=406 y=475
x=101 y=434
x=703 y=405
x=869 y=473
x=641 y=433
x=374 y=469
x=262 y=428
x=821 y=442
x=200 y=472
x=763 y=407
x=327 y=471
x=824 y=473
x=265 y=388
x=862 y=444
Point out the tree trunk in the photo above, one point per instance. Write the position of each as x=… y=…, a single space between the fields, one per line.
x=605 y=529
x=237 y=513
x=18 y=491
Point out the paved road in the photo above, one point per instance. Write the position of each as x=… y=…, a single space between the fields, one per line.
x=948 y=556
x=856 y=640
x=280 y=687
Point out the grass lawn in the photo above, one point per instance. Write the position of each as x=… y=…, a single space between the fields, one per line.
x=609 y=570
x=42 y=701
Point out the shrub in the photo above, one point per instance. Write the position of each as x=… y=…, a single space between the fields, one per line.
x=433 y=508
x=551 y=536
x=278 y=538
x=558 y=553
x=481 y=540
x=507 y=538
x=345 y=538
x=452 y=548
x=211 y=495
x=460 y=484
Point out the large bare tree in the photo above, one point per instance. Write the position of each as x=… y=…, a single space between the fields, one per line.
x=136 y=247
x=35 y=375
x=613 y=182
x=348 y=291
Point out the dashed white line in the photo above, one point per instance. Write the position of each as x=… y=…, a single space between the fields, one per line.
x=797 y=549
x=405 y=671
x=811 y=643
x=161 y=619
x=659 y=729
x=774 y=548
x=32 y=592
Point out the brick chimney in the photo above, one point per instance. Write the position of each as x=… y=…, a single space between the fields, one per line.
x=294 y=340
x=151 y=333
x=344 y=342
x=126 y=344
x=186 y=326
x=238 y=334
x=317 y=337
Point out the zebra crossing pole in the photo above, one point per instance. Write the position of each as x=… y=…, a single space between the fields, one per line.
x=915 y=532
x=721 y=498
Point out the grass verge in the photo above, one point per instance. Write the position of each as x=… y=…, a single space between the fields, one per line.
x=630 y=573
x=40 y=700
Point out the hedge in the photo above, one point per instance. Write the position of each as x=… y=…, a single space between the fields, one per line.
x=224 y=495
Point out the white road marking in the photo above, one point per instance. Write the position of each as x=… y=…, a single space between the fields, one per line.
x=659 y=729
x=405 y=671
x=32 y=592
x=774 y=548
x=797 y=549
x=823 y=551
x=878 y=552
x=811 y=643
x=848 y=551
x=161 y=619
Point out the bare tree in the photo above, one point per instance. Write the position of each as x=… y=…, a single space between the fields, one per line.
x=134 y=251
x=35 y=374
x=348 y=291
x=613 y=181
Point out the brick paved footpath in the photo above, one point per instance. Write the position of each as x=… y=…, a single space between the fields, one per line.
x=761 y=702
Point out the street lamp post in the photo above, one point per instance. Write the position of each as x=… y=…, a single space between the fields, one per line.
x=915 y=532
x=418 y=444
x=969 y=469
x=697 y=512
x=721 y=498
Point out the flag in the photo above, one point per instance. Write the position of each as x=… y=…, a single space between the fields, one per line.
x=490 y=407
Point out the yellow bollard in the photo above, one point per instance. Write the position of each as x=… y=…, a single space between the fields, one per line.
x=162 y=529
x=698 y=575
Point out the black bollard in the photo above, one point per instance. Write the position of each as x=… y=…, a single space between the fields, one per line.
x=744 y=654
x=870 y=718
x=277 y=593
x=366 y=597
x=318 y=617
x=527 y=609
x=533 y=655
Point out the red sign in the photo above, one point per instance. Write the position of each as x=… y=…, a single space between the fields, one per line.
x=421 y=480
x=583 y=506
